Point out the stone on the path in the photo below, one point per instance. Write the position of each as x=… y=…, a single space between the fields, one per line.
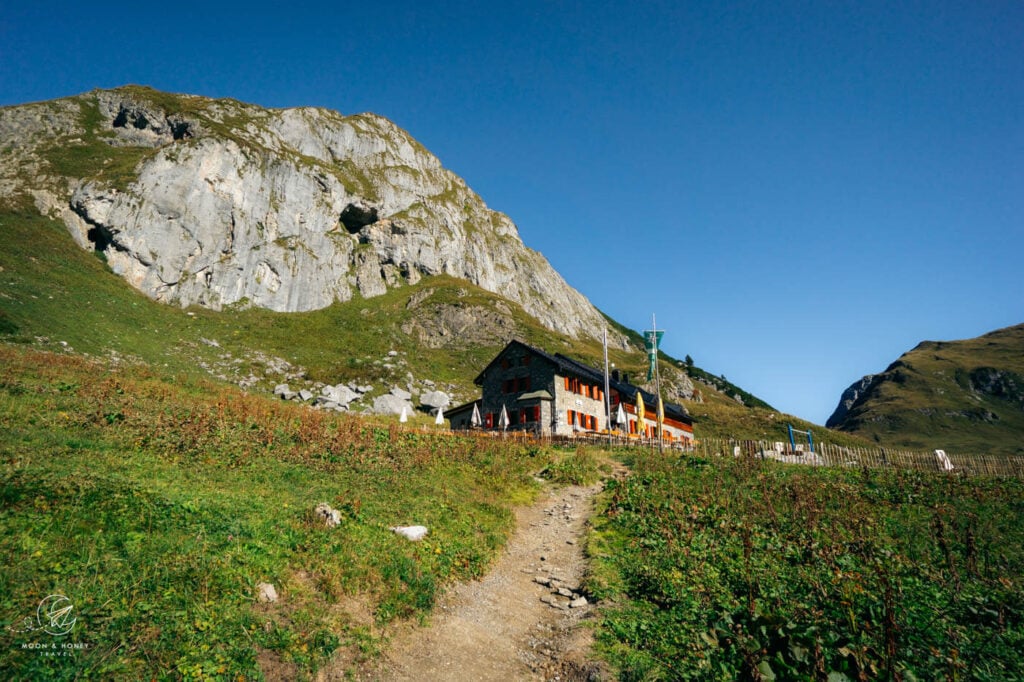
x=330 y=516
x=414 y=533
x=266 y=594
x=578 y=602
x=542 y=580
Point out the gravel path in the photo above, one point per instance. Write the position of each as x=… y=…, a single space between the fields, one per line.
x=517 y=623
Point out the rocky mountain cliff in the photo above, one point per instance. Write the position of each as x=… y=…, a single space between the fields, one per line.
x=223 y=204
x=959 y=395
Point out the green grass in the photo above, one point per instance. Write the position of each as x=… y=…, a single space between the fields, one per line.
x=582 y=466
x=740 y=569
x=156 y=503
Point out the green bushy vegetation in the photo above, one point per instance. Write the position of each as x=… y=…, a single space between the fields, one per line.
x=581 y=466
x=744 y=569
x=156 y=502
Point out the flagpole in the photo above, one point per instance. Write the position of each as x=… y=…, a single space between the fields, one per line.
x=657 y=384
x=607 y=392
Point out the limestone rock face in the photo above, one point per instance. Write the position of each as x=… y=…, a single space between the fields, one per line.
x=231 y=204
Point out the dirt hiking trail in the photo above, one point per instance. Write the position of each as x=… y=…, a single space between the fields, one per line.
x=522 y=621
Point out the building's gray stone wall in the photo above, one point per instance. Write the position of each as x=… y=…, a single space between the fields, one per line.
x=539 y=370
x=567 y=400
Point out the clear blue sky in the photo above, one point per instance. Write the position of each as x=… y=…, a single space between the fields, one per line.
x=800 y=191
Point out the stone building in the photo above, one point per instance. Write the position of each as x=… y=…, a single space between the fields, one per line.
x=556 y=395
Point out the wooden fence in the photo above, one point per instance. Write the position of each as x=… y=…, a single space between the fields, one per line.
x=828 y=455
x=824 y=454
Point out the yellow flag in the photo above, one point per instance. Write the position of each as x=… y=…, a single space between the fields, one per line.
x=661 y=416
x=641 y=427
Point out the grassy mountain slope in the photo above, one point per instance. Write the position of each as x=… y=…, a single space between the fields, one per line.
x=964 y=395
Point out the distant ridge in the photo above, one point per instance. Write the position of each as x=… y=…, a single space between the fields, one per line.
x=960 y=395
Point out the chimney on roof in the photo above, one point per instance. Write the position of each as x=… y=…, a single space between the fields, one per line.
x=625 y=378
x=615 y=375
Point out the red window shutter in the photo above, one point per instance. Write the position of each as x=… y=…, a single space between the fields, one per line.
x=489 y=420
x=567 y=383
x=526 y=360
x=504 y=363
x=526 y=383
x=536 y=413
